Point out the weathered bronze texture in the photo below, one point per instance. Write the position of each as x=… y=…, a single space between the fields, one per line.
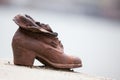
x=35 y=40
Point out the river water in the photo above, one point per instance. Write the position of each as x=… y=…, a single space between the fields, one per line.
x=95 y=41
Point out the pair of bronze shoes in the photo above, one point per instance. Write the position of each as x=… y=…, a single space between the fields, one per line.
x=35 y=40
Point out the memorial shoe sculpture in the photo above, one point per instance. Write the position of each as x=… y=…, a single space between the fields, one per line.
x=35 y=40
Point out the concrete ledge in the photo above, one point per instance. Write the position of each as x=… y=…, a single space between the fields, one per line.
x=8 y=71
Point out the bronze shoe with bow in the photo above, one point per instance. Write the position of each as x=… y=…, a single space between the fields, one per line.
x=35 y=40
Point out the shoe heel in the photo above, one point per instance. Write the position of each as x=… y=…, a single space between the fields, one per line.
x=23 y=57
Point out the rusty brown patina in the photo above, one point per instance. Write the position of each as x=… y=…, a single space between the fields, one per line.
x=35 y=40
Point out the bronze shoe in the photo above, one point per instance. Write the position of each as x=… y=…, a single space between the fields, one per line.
x=35 y=40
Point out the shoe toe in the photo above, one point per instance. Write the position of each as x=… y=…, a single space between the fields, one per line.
x=77 y=62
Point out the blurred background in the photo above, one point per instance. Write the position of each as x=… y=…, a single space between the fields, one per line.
x=89 y=29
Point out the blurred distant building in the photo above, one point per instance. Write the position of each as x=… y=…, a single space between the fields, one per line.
x=111 y=8
x=106 y=8
x=4 y=2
